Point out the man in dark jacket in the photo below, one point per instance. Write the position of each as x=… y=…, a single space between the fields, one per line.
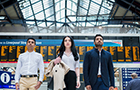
x=134 y=84
x=98 y=67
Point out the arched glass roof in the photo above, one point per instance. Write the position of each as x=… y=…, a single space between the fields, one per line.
x=66 y=12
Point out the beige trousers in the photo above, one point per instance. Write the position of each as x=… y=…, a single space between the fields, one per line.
x=27 y=83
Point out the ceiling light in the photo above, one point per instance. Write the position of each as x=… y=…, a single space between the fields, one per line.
x=100 y=27
x=2 y=17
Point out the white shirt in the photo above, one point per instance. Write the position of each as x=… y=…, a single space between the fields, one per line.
x=69 y=60
x=28 y=64
x=99 y=69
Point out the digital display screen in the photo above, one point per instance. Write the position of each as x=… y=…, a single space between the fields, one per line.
x=48 y=48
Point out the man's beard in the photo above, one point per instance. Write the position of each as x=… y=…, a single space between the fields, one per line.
x=30 y=48
x=98 y=45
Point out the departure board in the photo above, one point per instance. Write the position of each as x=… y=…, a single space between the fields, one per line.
x=82 y=51
x=128 y=54
x=12 y=53
x=89 y=48
x=106 y=48
x=57 y=47
x=136 y=54
x=51 y=53
x=120 y=51
x=113 y=52
x=20 y=49
x=4 y=53
x=119 y=54
x=44 y=52
x=37 y=49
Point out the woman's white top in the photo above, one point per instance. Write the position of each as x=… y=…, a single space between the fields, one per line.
x=69 y=60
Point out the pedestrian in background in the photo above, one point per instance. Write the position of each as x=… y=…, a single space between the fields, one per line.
x=134 y=84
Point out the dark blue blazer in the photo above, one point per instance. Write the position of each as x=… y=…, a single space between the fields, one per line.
x=91 y=65
x=134 y=84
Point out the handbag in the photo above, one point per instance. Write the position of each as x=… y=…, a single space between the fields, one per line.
x=50 y=83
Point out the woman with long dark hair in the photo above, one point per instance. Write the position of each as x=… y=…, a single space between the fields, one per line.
x=68 y=54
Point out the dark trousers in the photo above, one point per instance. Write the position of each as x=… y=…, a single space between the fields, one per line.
x=70 y=81
x=99 y=85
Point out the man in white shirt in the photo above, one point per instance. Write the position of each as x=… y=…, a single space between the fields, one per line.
x=27 y=68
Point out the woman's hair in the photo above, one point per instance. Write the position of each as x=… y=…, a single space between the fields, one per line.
x=73 y=49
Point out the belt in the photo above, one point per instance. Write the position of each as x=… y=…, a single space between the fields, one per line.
x=99 y=76
x=27 y=76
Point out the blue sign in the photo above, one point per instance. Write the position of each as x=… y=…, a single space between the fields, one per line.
x=5 y=80
x=8 y=86
x=126 y=75
x=56 y=42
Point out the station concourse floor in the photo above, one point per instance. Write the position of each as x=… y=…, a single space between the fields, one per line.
x=42 y=87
